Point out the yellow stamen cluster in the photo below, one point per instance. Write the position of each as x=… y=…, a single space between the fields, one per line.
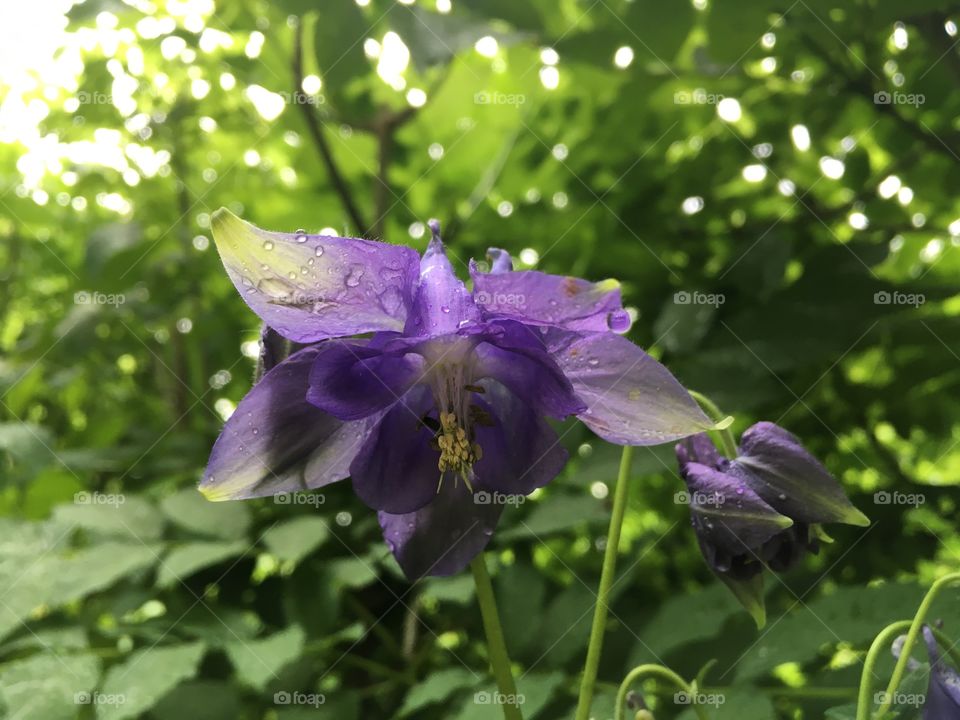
x=457 y=453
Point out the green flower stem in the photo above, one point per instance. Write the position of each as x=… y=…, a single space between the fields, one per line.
x=496 y=647
x=901 y=667
x=656 y=671
x=711 y=409
x=606 y=582
x=882 y=641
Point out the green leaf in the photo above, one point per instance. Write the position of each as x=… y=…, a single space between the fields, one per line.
x=52 y=580
x=258 y=662
x=555 y=514
x=684 y=619
x=436 y=688
x=48 y=686
x=853 y=613
x=184 y=560
x=293 y=540
x=191 y=511
x=146 y=676
x=114 y=514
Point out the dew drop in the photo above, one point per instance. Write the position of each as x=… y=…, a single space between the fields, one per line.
x=354 y=276
x=268 y=245
x=390 y=300
x=593 y=362
x=292 y=275
x=301 y=235
x=318 y=251
x=618 y=321
x=445 y=308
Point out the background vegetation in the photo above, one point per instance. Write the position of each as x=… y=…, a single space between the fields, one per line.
x=734 y=151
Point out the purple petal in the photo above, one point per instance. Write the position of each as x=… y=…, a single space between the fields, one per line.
x=277 y=442
x=442 y=537
x=352 y=379
x=727 y=514
x=943 y=693
x=790 y=479
x=537 y=298
x=700 y=449
x=500 y=260
x=631 y=398
x=312 y=287
x=517 y=359
x=396 y=470
x=442 y=303
x=521 y=452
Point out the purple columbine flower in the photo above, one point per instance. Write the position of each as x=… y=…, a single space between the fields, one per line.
x=942 y=701
x=943 y=691
x=444 y=396
x=760 y=509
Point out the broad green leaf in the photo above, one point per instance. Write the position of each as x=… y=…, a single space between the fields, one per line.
x=191 y=511
x=146 y=676
x=49 y=686
x=259 y=662
x=293 y=540
x=184 y=560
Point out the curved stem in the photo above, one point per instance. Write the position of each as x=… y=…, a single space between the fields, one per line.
x=883 y=640
x=606 y=582
x=711 y=409
x=496 y=647
x=658 y=671
x=901 y=666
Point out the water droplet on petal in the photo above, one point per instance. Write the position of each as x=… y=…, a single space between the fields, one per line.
x=354 y=276
x=318 y=250
x=593 y=362
x=301 y=236
x=445 y=308
x=390 y=300
x=618 y=321
x=268 y=245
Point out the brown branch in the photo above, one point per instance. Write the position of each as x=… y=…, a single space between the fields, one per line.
x=315 y=130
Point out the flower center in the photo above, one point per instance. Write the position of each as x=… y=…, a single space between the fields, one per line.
x=455 y=438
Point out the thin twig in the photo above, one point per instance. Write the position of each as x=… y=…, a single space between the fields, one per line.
x=315 y=129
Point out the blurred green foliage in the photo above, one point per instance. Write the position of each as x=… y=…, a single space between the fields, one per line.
x=787 y=238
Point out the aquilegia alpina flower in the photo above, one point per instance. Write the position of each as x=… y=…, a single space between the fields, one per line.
x=446 y=397
x=942 y=701
x=943 y=691
x=759 y=509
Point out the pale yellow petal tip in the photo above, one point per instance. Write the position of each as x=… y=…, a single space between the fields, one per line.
x=855 y=517
x=723 y=424
x=784 y=522
x=213 y=494
x=223 y=217
x=608 y=285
